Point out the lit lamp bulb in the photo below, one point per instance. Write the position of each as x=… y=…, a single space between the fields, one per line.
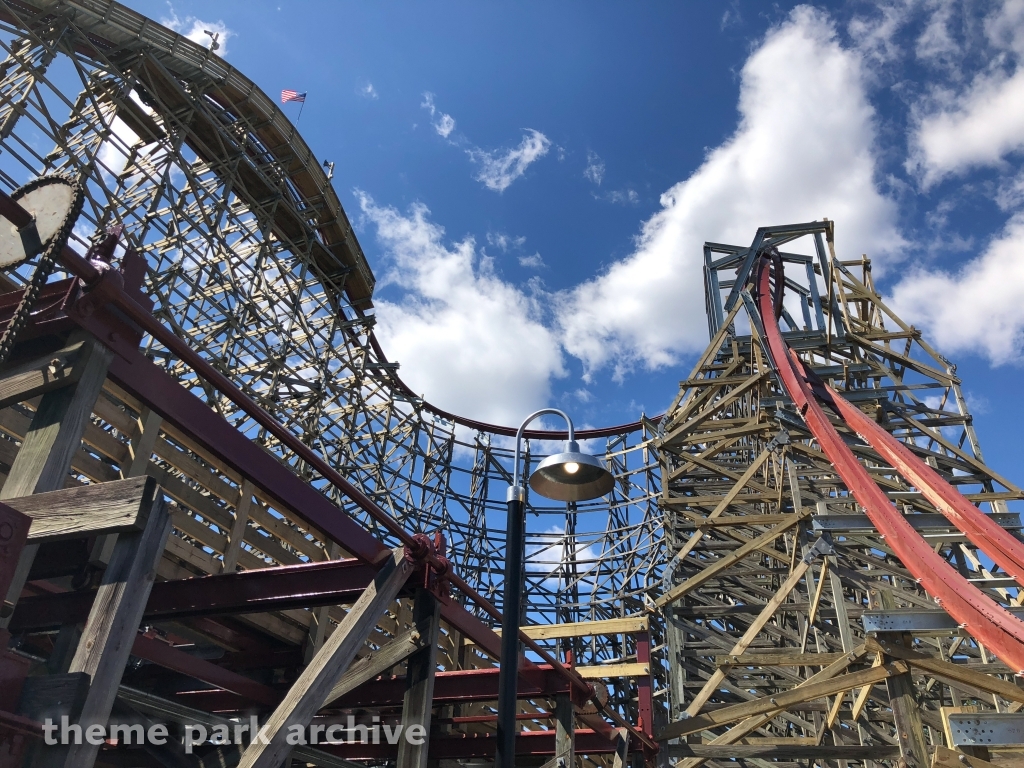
x=572 y=468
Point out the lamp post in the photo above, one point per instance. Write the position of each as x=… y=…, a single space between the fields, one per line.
x=566 y=476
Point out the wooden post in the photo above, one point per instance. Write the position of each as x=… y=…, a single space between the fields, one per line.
x=114 y=621
x=565 y=731
x=53 y=438
x=140 y=449
x=310 y=691
x=419 y=682
x=245 y=491
x=321 y=616
x=905 y=707
x=621 y=750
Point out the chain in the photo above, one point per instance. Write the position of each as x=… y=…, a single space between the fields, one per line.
x=46 y=259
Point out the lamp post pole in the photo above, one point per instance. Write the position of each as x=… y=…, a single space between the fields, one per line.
x=512 y=606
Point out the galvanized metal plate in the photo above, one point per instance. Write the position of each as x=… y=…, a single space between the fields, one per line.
x=914 y=621
x=990 y=730
x=920 y=522
x=50 y=203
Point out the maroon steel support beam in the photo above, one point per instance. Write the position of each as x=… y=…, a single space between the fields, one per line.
x=164 y=655
x=338 y=582
x=453 y=687
x=528 y=744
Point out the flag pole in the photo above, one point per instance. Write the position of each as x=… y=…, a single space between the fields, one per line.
x=301 y=107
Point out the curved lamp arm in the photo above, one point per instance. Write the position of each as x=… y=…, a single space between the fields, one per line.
x=522 y=428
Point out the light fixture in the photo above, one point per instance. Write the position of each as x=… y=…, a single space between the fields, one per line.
x=566 y=476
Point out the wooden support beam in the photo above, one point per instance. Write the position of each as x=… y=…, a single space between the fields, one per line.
x=381 y=660
x=238 y=526
x=140 y=448
x=740 y=731
x=903 y=700
x=53 y=438
x=565 y=731
x=114 y=622
x=419 y=682
x=314 y=685
x=621 y=750
x=88 y=510
x=780 y=701
x=55 y=370
x=321 y=617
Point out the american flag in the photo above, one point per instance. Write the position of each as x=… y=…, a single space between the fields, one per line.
x=287 y=96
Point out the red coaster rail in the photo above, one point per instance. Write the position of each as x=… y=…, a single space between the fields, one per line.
x=999 y=631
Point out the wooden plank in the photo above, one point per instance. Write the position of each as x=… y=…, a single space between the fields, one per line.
x=88 y=510
x=624 y=626
x=45 y=374
x=238 y=525
x=752 y=632
x=53 y=438
x=948 y=670
x=565 y=730
x=113 y=623
x=381 y=660
x=792 y=659
x=943 y=757
x=419 y=682
x=601 y=671
x=738 y=732
x=726 y=561
x=780 y=701
x=315 y=683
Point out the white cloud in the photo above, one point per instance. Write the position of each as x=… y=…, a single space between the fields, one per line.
x=443 y=123
x=503 y=242
x=498 y=169
x=980 y=125
x=197 y=31
x=471 y=342
x=532 y=262
x=368 y=91
x=802 y=150
x=594 y=171
x=627 y=196
x=977 y=308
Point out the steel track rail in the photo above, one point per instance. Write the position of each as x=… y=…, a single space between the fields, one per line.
x=988 y=622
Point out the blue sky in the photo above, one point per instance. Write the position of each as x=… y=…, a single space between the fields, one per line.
x=531 y=182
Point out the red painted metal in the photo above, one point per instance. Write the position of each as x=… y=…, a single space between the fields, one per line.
x=338 y=582
x=645 y=691
x=164 y=655
x=998 y=630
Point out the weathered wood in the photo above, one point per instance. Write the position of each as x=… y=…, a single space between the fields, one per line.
x=114 y=621
x=943 y=757
x=321 y=617
x=45 y=374
x=313 y=686
x=139 y=450
x=621 y=759
x=53 y=438
x=601 y=671
x=565 y=730
x=238 y=525
x=88 y=510
x=903 y=700
x=781 y=701
x=624 y=626
x=419 y=681
x=381 y=660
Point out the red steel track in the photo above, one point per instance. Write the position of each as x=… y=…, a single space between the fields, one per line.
x=997 y=629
